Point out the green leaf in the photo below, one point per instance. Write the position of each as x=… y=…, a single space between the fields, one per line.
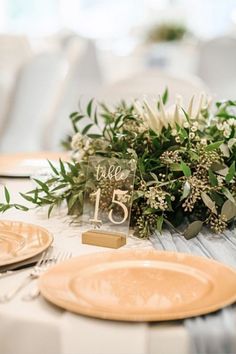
x=73 y=168
x=60 y=186
x=223 y=172
x=5 y=207
x=193 y=155
x=216 y=166
x=107 y=118
x=225 y=150
x=138 y=194
x=94 y=136
x=89 y=107
x=42 y=185
x=72 y=201
x=21 y=207
x=28 y=198
x=168 y=200
x=186 y=190
x=231 y=143
x=228 y=210
x=7 y=195
x=231 y=172
x=186 y=170
x=149 y=211
x=53 y=168
x=95 y=117
x=186 y=114
x=183 y=133
x=212 y=178
x=159 y=222
x=62 y=167
x=209 y=202
x=119 y=119
x=51 y=180
x=44 y=201
x=217 y=198
x=77 y=118
x=193 y=229
x=214 y=146
x=175 y=167
x=154 y=176
x=36 y=193
x=81 y=197
x=50 y=210
x=86 y=129
x=73 y=114
x=228 y=195
x=165 y=96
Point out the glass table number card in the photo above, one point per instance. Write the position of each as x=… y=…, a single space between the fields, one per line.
x=108 y=200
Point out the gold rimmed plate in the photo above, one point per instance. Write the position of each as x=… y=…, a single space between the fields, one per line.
x=140 y=285
x=20 y=241
x=26 y=164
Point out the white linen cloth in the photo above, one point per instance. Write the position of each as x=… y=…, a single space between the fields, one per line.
x=40 y=327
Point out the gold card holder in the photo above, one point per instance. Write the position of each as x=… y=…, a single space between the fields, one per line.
x=103 y=238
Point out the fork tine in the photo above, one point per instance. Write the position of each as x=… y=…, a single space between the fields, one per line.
x=59 y=257
x=62 y=256
x=44 y=257
x=69 y=255
x=34 y=274
x=65 y=256
x=40 y=259
x=36 y=270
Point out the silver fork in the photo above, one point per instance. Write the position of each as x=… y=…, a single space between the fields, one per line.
x=36 y=271
x=35 y=292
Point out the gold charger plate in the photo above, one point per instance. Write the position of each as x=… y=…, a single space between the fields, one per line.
x=140 y=285
x=26 y=164
x=20 y=241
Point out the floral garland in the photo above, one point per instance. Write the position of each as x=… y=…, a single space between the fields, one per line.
x=185 y=163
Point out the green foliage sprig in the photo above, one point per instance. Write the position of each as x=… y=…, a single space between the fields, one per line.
x=166 y=32
x=185 y=163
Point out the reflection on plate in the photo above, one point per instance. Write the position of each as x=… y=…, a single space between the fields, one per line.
x=140 y=285
x=10 y=242
x=26 y=164
x=20 y=241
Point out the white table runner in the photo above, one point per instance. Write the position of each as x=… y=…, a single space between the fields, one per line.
x=214 y=333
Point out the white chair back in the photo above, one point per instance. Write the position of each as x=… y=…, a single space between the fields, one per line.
x=152 y=83
x=6 y=87
x=14 y=51
x=37 y=88
x=82 y=82
x=217 y=66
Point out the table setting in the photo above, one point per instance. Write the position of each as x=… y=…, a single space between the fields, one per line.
x=23 y=165
x=128 y=239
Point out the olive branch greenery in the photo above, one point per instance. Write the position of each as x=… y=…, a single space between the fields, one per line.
x=166 y=32
x=185 y=175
